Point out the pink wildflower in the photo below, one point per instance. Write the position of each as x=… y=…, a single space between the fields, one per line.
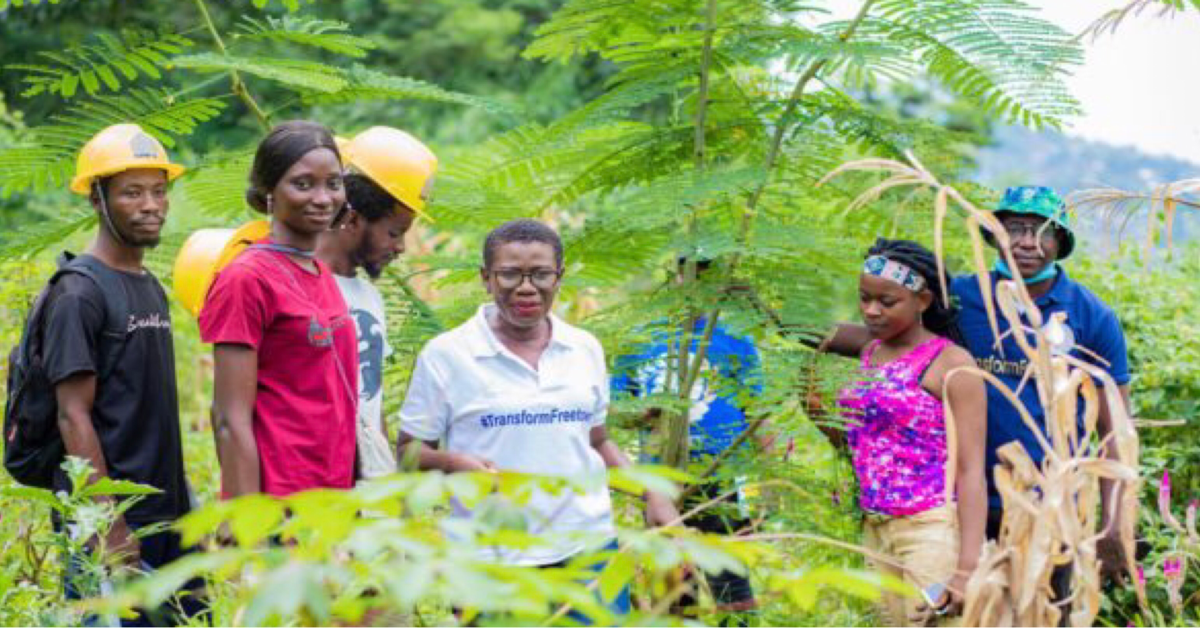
x=1164 y=502
x=1172 y=568
x=1141 y=576
x=1164 y=492
x=1173 y=571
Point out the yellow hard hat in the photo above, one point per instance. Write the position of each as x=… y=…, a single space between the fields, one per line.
x=343 y=144
x=116 y=149
x=204 y=254
x=397 y=162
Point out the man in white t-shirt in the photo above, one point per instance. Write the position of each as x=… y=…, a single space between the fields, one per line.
x=387 y=183
x=516 y=388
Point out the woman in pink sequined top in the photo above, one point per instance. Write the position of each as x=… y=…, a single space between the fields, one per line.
x=897 y=433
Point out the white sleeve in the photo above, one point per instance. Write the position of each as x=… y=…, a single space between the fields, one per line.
x=603 y=394
x=425 y=414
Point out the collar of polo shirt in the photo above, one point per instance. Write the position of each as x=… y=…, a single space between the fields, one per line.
x=484 y=342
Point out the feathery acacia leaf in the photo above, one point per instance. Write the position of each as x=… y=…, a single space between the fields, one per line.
x=49 y=159
x=293 y=73
x=291 y=5
x=360 y=83
x=996 y=52
x=216 y=188
x=37 y=237
x=114 y=62
x=325 y=34
x=4 y=4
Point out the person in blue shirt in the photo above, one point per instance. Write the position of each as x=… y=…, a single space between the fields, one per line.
x=1036 y=221
x=731 y=372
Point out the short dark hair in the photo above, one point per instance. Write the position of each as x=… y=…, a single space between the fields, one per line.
x=521 y=230
x=368 y=199
x=286 y=144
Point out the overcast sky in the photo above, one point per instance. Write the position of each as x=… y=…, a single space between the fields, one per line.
x=1139 y=86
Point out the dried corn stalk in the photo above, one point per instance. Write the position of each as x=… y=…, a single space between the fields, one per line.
x=1049 y=512
x=1113 y=204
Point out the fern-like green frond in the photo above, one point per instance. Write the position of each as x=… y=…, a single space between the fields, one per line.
x=49 y=158
x=997 y=52
x=635 y=228
x=34 y=238
x=216 y=188
x=110 y=64
x=305 y=31
x=586 y=26
x=361 y=83
x=292 y=73
x=291 y=5
x=4 y=4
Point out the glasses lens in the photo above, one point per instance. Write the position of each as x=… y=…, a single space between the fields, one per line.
x=508 y=278
x=1043 y=231
x=544 y=278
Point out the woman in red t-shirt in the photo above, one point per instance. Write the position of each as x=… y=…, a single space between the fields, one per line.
x=284 y=345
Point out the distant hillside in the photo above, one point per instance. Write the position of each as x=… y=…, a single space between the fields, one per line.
x=1021 y=156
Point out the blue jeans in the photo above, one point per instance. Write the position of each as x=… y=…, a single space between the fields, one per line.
x=620 y=605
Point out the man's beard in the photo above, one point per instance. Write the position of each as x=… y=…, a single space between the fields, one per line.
x=373 y=270
x=136 y=242
x=148 y=243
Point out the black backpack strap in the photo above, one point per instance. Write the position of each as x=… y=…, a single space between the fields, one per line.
x=116 y=305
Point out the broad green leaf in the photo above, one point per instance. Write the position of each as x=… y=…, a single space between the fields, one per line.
x=31 y=493
x=254 y=518
x=109 y=486
x=618 y=573
x=203 y=521
x=426 y=493
x=286 y=591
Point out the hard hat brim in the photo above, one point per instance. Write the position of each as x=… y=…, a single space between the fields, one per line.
x=82 y=184
x=416 y=205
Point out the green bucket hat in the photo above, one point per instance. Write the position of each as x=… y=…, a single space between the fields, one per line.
x=1034 y=200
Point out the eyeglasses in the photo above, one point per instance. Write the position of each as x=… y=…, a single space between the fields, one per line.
x=1043 y=231
x=509 y=278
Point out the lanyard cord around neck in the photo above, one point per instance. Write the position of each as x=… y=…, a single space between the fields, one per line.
x=337 y=360
x=285 y=249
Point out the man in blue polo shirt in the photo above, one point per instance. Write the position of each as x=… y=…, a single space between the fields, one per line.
x=1036 y=221
x=1040 y=236
x=731 y=372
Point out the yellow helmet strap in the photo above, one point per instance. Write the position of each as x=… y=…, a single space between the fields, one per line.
x=105 y=217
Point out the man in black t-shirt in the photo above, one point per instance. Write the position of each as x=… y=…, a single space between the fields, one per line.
x=114 y=380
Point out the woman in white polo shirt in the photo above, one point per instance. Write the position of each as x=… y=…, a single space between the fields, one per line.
x=516 y=388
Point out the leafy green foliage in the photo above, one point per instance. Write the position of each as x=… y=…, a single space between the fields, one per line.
x=996 y=52
x=638 y=150
x=324 y=34
x=361 y=84
x=4 y=4
x=114 y=62
x=291 y=5
x=291 y=73
x=379 y=536
x=49 y=159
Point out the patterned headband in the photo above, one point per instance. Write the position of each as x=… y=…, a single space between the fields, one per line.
x=892 y=270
